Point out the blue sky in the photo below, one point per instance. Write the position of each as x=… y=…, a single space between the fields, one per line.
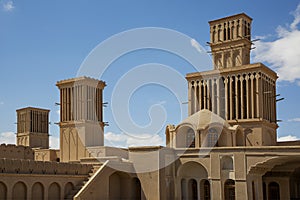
x=42 y=42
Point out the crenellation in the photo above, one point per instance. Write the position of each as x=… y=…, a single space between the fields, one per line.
x=22 y=166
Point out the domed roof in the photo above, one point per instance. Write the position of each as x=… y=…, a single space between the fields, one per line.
x=203 y=118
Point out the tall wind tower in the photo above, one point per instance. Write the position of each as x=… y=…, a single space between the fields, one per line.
x=81 y=117
x=33 y=127
x=240 y=92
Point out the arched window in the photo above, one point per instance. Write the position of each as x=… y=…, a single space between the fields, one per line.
x=190 y=138
x=185 y=137
x=212 y=137
x=229 y=190
x=274 y=193
x=193 y=190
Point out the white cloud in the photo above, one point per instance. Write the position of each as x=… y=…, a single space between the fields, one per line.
x=1 y=103
x=7 y=138
x=54 y=142
x=196 y=45
x=8 y=6
x=287 y=138
x=284 y=52
x=294 y=120
x=123 y=140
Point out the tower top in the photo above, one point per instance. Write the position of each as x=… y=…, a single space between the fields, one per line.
x=33 y=127
x=230 y=41
x=81 y=81
x=230 y=18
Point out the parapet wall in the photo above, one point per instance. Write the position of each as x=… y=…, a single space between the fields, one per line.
x=39 y=167
x=11 y=151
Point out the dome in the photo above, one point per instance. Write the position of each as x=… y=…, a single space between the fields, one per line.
x=203 y=118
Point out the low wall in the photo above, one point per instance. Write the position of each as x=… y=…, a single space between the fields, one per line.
x=20 y=166
x=12 y=151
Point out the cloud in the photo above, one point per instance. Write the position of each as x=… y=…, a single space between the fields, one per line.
x=1 y=103
x=7 y=138
x=123 y=140
x=8 y=6
x=294 y=120
x=283 y=53
x=196 y=45
x=54 y=142
x=287 y=138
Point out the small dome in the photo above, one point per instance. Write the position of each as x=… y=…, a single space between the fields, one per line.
x=203 y=118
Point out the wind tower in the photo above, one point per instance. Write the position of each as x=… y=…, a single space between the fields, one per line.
x=33 y=127
x=240 y=92
x=81 y=117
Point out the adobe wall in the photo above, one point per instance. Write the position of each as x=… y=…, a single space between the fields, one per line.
x=27 y=179
x=46 y=155
x=16 y=152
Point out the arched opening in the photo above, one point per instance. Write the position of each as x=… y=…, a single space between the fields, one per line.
x=68 y=188
x=295 y=184
x=183 y=189
x=229 y=189
x=264 y=191
x=119 y=185
x=193 y=190
x=136 y=189
x=19 y=191
x=219 y=33
x=54 y=191
x=227 y=163
x=253 y=190
x=37 y=191
x=206 y=190
x=114 y=186
x=193 y=100
x=3 y=191
x=274 y=193
x=197 y=97
x=195 y=173
x=213 y=36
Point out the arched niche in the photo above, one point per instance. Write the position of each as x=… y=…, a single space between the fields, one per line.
x=227 y=163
